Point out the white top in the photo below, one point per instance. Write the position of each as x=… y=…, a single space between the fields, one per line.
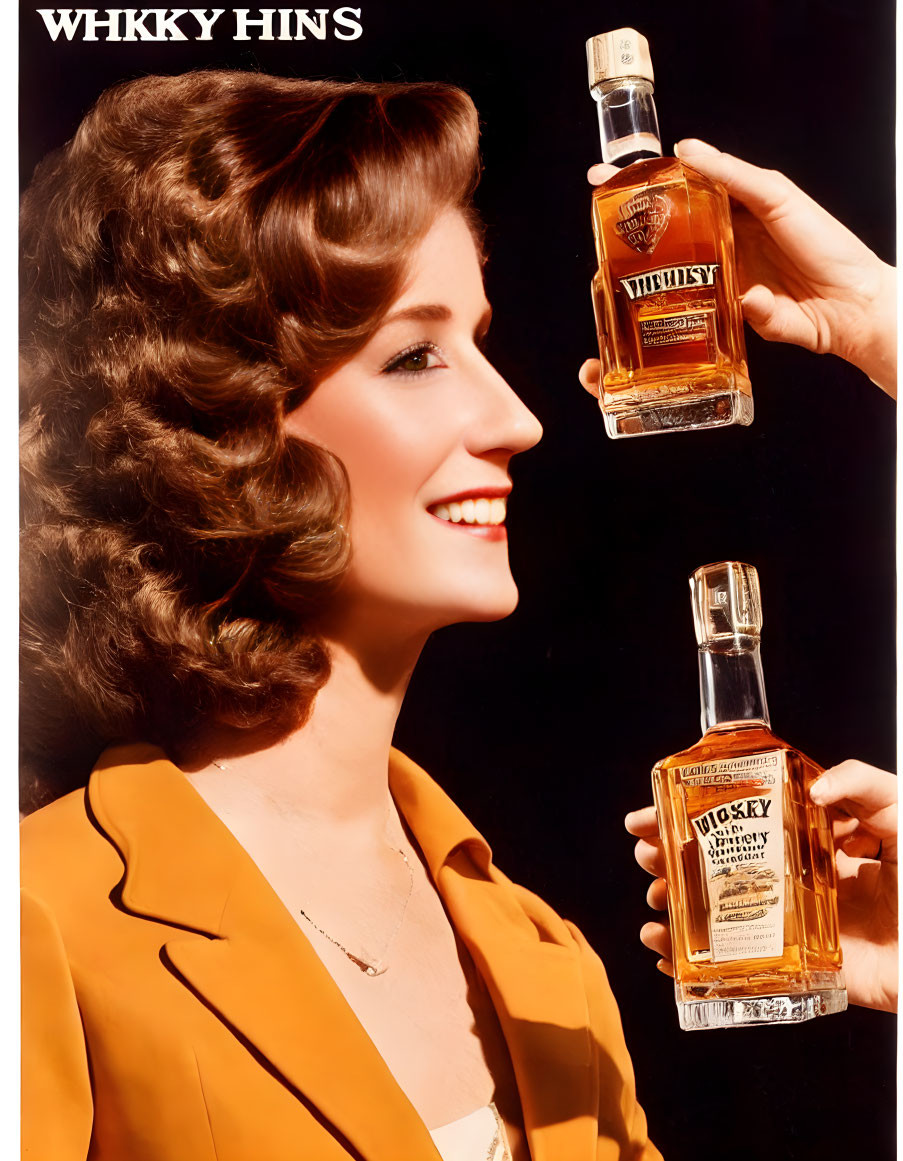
x=480 y=1136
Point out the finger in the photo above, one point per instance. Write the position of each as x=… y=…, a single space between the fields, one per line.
x=589 y=376
x=764 y=192
x=863 y=791
x=666 y=967
x=842 y=826
x=778 y=320
x=857 y=846
x=657 y=937
x=859 y=879
x=642 y=823
x=695 y=145
x=600 y=173
x=657 y=895
x=648 y=853
x=758 y=306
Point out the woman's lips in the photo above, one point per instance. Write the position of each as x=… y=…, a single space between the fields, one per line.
x=474 y=510
x=478 y=514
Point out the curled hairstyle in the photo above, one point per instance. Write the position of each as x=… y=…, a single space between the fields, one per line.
x=204 y=250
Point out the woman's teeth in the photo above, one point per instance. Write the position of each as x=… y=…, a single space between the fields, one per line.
x=482 y=511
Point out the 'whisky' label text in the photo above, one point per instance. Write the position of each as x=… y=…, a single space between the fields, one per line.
x=669 y=278
x=741 y=842
x=745 y=808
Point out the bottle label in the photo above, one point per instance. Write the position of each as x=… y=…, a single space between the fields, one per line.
x=741 y=845
x=669 y=278
x=669 y=329
x=642 y=221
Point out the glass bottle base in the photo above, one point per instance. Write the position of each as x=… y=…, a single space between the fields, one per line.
x=682 y=409
x=738 y=1011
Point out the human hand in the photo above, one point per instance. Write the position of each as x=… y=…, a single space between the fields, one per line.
x=804 y=277
x=862 y=803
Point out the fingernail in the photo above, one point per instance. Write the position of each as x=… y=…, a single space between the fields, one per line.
x=694 y=145
x=818 y=792
x=676 y=149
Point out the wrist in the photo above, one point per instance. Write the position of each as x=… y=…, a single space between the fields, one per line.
x=873 y=346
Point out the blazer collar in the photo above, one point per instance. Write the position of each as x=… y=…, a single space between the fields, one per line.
x=180 y=860
x=529 y=962
x=244 y=954
x=437 y=824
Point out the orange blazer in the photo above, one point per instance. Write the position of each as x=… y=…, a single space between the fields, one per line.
x=174 y=1011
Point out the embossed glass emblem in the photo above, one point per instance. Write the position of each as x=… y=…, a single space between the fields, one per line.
x=642 y=220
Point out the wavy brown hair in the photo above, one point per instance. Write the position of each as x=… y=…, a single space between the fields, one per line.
x=204 y=250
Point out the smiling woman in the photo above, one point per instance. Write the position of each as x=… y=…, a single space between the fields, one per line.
x=188 y=279
x=264 y=459
x=425 y=428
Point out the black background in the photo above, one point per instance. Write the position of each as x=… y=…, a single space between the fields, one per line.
x=544 y=727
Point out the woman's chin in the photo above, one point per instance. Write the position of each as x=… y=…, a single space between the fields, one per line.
x=384 y=617
x=485 y=606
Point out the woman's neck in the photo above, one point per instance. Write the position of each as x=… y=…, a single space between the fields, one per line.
x=334 y=769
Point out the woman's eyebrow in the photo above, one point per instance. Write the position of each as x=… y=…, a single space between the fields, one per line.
x=423 y=312
x=435 y=312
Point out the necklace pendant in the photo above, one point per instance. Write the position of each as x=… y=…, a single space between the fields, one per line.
x=371 y=969
x=368 y=968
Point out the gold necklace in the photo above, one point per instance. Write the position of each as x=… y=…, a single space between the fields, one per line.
x=378 y=968
x=370 y=969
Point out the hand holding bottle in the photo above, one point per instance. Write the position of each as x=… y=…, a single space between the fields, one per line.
x=862 y=803
x=804 y=277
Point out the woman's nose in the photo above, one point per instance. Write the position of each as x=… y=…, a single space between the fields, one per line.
x=503 y=421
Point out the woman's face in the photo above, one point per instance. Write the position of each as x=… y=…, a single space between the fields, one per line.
x=426 y=428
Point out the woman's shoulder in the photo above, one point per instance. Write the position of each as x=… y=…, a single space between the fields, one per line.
x=60 y=820
x=61 y=849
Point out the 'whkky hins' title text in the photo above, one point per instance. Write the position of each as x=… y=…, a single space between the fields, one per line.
x=130 y=24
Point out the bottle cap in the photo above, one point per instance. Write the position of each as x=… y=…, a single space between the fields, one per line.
x=727 y=607
x=622 y=53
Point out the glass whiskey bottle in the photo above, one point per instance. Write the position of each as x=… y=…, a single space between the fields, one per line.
x=665 y=295
x=752 y=891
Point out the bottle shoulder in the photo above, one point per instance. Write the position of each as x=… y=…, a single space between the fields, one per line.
x=654 y=172
x=732 y=740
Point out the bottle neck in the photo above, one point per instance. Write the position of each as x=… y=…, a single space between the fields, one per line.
x=731 y=687
x=627 y=121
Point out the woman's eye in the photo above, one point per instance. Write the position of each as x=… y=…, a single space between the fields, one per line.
x=423 y=357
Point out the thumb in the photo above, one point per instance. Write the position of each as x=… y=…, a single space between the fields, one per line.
x=599 y=173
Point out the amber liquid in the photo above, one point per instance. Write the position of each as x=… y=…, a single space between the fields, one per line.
x=811 y=959
x=673 y=359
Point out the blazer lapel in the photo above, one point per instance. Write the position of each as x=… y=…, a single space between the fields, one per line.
x=530 y=964
x=244 y=955
x=538 y=993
